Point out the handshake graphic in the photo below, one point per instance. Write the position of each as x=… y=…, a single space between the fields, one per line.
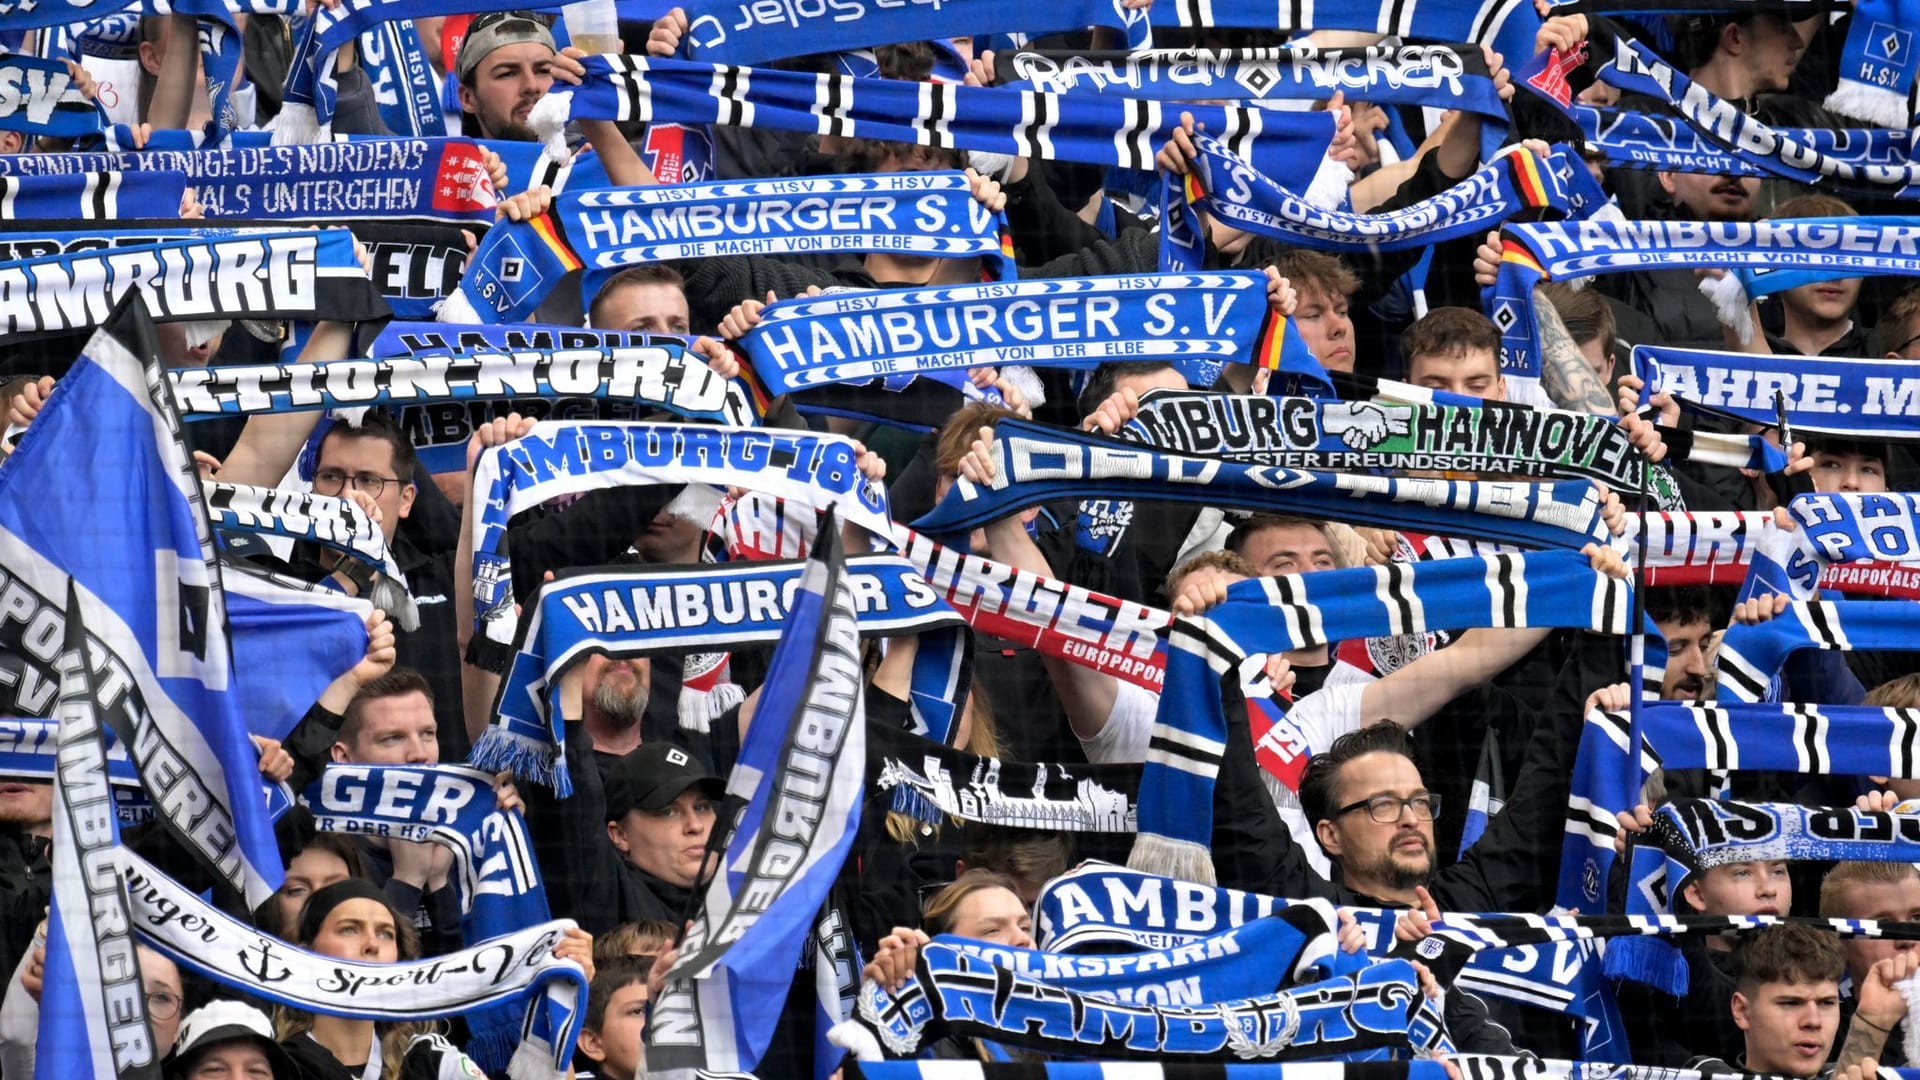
x=1363 y=424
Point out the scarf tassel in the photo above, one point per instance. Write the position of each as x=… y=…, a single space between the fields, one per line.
x=391 y=597
x=527 y=758
x=1730 y=304
x=910 y=801
x=1872 y=104
x=1647 y=960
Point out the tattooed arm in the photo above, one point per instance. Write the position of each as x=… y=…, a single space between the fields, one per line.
x=1564 y=373
x=1881 y=1006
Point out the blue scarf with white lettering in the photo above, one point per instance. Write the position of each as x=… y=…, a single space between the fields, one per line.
x=1513 y=183
x=1828 y=395
x=1196 y=321
x=431 y=179
x=1877 y=64
x=733 y=32
x=1429 y=75
x=1290 y=147
x=308 y=99
x=1556 y=251
x=624 y=612
x=331 y=522
x=1831 y=530
x=556 y=459
x=1035 y=463
x=1636 y=69
x=494 y=868
x=402 y=80
x=974 y=989
x=605 y=231
x=28 y=750
x=38 y=97
x=1436 y=20
x=90 y=196
x=1633 y=140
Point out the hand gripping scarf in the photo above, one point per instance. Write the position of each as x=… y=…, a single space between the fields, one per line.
x=1826 y=395
x=1125 y=132
x=1831 y=529
x=567 y=458
x=310 y=275
x=1346 y=436
x=1193 y=320
x=38 y=97
x=604 y=231
x=1273 y=615
x=1034 y=464
x=1089 y=1007
x=1750 y=656
x=1634 y=68
x=1429 y=75
x=497 y=876
x=1877 y=65
x=631 y=612
x=334 y=523
x=88 y=196
x=515 y=967
x=1557 y=251
x=730 y=32
x=1717 y=547
x=931 y=782
x=1511 y=183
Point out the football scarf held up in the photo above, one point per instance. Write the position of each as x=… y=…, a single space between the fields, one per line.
x=931 y=782
x=1342 y=436
x=305 y=276
x=624 y=613
x=1834 y=528
x=334 y=523
x=1717 y=547
x=1193 y=320
x=1035 y=464
x=433 y=179
x=1632 y=140
x=516 y=967
x=1123 y=132
x=604 y=231
x=1877 y=65
x=741 y=32
x=1826 y=395
x=1512 y=183
x=28 y=751
x=1556 y=251
x=497 y=877
x=557 y=459
x=1751 y=655
x=38 y=97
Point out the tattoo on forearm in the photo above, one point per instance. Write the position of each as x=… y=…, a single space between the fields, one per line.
x=1863 y=1041
x=1564 y=373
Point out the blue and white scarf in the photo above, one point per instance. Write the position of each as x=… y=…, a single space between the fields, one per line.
x=1877 y=65
x=334 y=523
x=1035 y=464
x=557 y=459
x=1192 y=320
x=1512 y=183
x=93 y=1017
x=1557 y=251
x=1833 y=529
x=1290 y=147
x=38 y=97
x=28 y=746
x=791 y=813
x=141 y=553
x=89 y=196
x=605 y=231
x=307 y=100
x=1634 y=68
x=1352 y=436
x=636 y=612
x=403 y=80
x=1439 y=20
x=297 y=637
x=1751 y=655
x=742 y=32
x=1827 y=395
x=960 y=989
x=430 y=179
x=517 y=967
x=1632 y=140
x=304 y=275
x=407 y=338
x=496 y=875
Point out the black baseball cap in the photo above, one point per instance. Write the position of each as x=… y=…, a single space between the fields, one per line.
x=651 y=777
x=219 y=1022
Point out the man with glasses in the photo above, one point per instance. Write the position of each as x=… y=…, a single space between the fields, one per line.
x=375 y=458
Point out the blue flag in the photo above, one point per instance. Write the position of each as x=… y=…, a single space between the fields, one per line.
x=101 y=490
x=796 y=792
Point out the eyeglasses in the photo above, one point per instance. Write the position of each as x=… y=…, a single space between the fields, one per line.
x=1386 y=809
x=163 y=1005
x=333 y=481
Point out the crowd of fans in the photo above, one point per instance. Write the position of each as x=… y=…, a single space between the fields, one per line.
x=1400 y=732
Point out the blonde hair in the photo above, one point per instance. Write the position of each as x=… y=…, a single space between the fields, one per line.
x=937 y=916
x=1844 y=875
x=983 y=740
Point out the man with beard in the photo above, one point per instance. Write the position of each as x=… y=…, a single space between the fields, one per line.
x=505 y=66
x=1685 y=619
x=614 y=698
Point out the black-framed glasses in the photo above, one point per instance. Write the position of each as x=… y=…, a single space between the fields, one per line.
x=334 y=481
x=163 y=1004
x=1386 y=809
